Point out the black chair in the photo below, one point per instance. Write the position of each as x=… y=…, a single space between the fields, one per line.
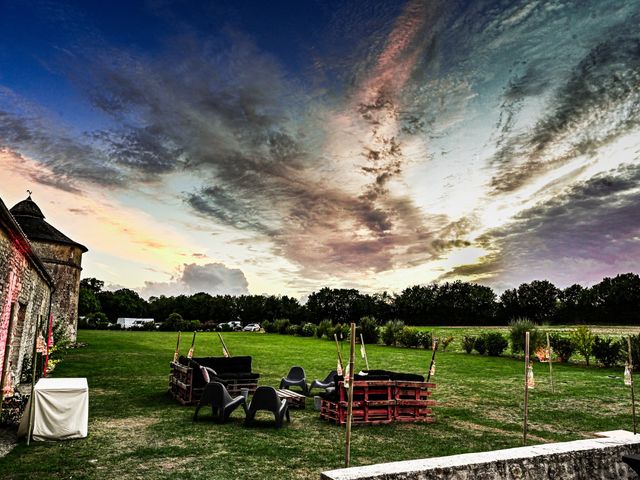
x=266 y=398
x=216 y=395
x=326 y=383
x=633 y=461
x=296 y=378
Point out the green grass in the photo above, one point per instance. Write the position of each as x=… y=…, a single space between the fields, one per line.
x=137 y=431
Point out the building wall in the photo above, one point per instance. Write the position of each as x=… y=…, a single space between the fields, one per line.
x=22 y=287
x=64 y=264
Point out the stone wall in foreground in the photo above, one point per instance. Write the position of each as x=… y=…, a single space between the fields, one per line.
x=597 y=458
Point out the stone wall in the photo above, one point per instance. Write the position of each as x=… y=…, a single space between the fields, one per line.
x=64 y=264
x=598 y=458
x=23 y=292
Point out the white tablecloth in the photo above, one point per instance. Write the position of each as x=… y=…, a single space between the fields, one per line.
x=60 y=409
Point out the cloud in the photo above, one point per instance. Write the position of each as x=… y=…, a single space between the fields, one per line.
x=212 y=278
x=586 y=233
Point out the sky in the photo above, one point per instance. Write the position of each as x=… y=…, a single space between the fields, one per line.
x=280 y=147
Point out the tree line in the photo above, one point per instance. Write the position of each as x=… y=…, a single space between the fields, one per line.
x=612 y=301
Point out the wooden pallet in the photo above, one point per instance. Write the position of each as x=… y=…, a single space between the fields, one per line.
x=380 y=402
x=294 y=399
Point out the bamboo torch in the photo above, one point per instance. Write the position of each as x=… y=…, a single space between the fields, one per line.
x=176 y=354
x=550 y=360
x=193 y=343
x=433 y=359
x=363 y=352
x=633 y=399
x=225 y=350
x=347 y=458
x=340 y=362
x=526 y=387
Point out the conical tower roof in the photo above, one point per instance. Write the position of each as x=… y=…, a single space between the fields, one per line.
x=31 y=220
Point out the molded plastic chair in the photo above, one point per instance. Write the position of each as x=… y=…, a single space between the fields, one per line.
x=216 y=395
x=296 y=378
x=266 y=398
x=328 y=382
x=633 y=461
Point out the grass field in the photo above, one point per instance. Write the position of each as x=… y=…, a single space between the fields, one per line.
x=137 y=431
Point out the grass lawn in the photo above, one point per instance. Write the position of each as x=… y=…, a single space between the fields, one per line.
x=137 y=431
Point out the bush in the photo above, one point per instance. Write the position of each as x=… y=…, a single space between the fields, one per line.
x=292 y=330
x=635 y=350
x=583 y=339
x=445 y=342
x=307 y=330
x=480 y=345
x=562 y=346
x=517 y=329
x=468 y=342
x=324 y=327
x=495 y=343
x=425 y=340
x=269 y=327
x=341 y=331
x=391 y=331
x=368 y=328
x=173 y=323
x=607 y=350
x=281 y=325
x=225 y=327
x=409 y=337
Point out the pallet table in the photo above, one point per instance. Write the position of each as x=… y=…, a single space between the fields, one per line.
x=294 y=399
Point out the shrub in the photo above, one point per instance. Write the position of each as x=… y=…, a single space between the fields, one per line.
x=292 y=330
x=281 y=325
x=425 y=339
x=635 y=350
x=391 y=331
x=368 y=328
x=225 y=327
x=324 y=327
x=409 y=337
x=173 y=323
x=562 y=346
x=495 y=343
x=480 y=345
x=307 y=330
x=517 y=329
x=269 y=327
x=607 y=350
x=445 y=342
x=583 y=339
x=468 y=342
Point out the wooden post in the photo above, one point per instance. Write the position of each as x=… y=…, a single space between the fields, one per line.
x=339 y=353
x=347 y=457
x=176 y=354
x=224 y=346
x=526 y=388
x=633 y=399
x=364 y=352
x=433 y=360
x=550 y=360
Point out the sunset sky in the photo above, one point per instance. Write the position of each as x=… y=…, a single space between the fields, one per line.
x=281 y=146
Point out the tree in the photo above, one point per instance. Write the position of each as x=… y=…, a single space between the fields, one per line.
x=87 y=302
x=92 y=284
x=583 y=341
x=536 y=300
x=122 y=303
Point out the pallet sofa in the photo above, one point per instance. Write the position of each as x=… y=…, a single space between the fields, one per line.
x=186 y=380
x=380 y=397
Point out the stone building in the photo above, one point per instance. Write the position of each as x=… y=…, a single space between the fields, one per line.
x=62 y=258
x=26 y=290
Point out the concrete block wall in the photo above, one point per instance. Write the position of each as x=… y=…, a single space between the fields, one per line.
x=597 y=458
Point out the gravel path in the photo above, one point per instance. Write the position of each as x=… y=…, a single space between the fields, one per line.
x=8 y=440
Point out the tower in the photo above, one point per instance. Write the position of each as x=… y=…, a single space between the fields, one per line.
x=61 y=256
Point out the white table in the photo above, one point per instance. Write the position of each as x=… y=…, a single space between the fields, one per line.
x=60 y=409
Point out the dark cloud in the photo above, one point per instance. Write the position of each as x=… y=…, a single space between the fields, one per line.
x=597 y=105
x=582 y=235
x=212 y=278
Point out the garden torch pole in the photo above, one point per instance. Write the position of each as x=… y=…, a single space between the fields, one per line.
x=347 y=458
x=526 y=387
x=550 y=355
x=633 y=399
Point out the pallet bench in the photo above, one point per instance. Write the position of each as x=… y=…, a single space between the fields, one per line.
x=380 y=402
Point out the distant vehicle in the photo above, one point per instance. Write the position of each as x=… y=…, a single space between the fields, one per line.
x=126 y=323
x=252 y=327
x=235 y=325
